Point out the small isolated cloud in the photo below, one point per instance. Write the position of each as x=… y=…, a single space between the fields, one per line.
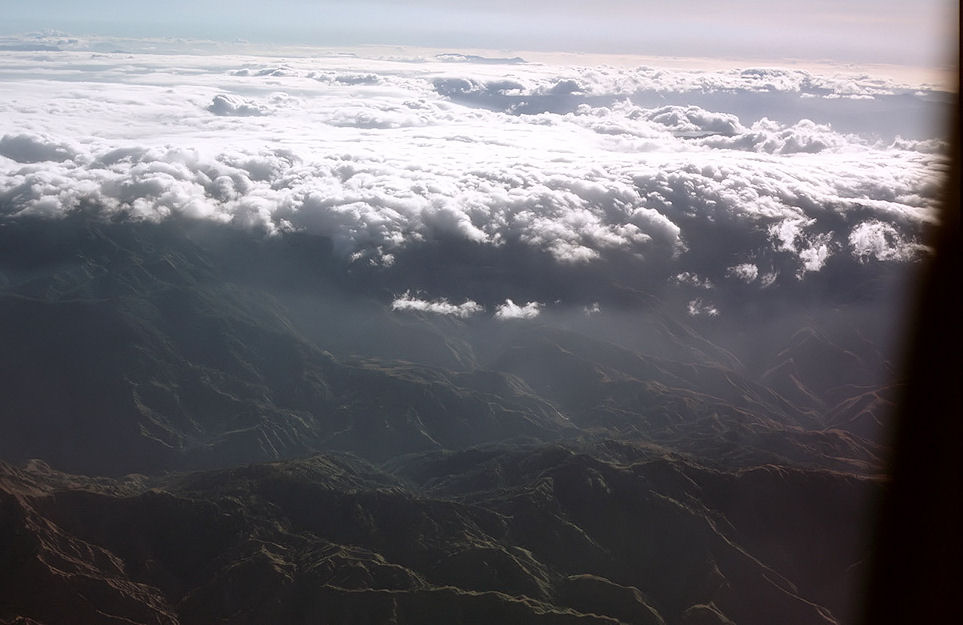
x=747 y=272
x=768 y=279
x=875 y=239
x=699 y=308
x=593 y=309
x=511 y=310
x=689 y=278
x=816 y=252
x=438 y=306
x=787 y=232
x=235 y=106
x=812 y=250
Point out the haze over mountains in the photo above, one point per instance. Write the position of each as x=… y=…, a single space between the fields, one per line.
x=456 y=339
x=205 y=346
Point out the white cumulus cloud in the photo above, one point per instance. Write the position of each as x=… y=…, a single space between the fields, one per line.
x=464 y=310
x=747 y=272
x=875 y=239
x=511 y=310
x=699 y=308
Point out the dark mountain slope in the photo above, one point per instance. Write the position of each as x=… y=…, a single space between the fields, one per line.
x=537 y=535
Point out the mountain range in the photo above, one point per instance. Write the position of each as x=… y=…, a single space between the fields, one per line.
x=203 y=424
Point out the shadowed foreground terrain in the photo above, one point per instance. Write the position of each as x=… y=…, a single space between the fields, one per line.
x=279 y=445
x=614 y=533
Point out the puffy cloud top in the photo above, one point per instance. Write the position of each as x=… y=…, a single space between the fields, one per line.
x=235 y=106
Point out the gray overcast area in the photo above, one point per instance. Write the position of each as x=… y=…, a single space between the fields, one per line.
x=911 y=33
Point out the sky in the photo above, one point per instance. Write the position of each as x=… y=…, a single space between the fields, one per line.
x=920 y=33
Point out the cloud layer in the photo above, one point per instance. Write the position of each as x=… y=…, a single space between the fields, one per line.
x=385 y=155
